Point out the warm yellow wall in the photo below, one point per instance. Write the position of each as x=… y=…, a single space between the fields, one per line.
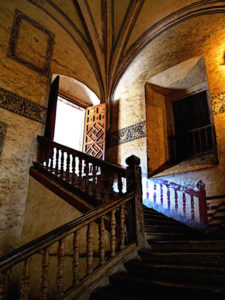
x=30 y=89
x=44 y=212
x=199 y=37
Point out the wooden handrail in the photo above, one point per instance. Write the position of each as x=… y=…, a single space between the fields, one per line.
x=202 y=127
x=198 y=141
x=124 y=214
x=100 y=180
x=182 y=203
x=121 y=214
x=87 y=157
x=177 y=187
x=59 y=233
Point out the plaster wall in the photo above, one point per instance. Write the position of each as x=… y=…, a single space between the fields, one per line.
x=201 y=36
x=33 y=46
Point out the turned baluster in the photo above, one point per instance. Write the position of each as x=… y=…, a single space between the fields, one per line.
x=102 y=186
x=200 y=140
x=94 y=180
x=44 y=277
x=89 y=249
x=184 y=204
x=110 y=186
x=120 y=185
x=161 y=194
x=62 y=163
x=4 y=284
x=122 y=227
x=25 y=280
x=194 y=142
x=176 y=201
x=113 y=233
x=68 y=166
x=73 y=168
x=60 y=271
x=76 y=249
x=86 y=170
x=44 y=155
x=206 y=139
x=57 y=159
x=213 y=137
x=80 y=171
x=52 y=159
x=102 y=241
x=154 y=193
x=192 y=208
x=168 y=197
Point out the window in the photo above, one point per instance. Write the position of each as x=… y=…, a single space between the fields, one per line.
x=69 y=125
x=179 y=120
x=194 y=133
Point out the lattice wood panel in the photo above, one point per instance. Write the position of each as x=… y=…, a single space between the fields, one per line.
x=95 y=131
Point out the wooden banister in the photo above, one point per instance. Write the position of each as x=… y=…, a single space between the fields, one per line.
x=116 y=168
x=101 y=180
x=61 y=232
x=183 y=203
x=58 y=236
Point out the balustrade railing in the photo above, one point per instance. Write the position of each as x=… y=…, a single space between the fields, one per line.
x=182 y=203
x=70 y=253
x=59 y=262
x=196 y=141
x=99 y=179
x=203 y=139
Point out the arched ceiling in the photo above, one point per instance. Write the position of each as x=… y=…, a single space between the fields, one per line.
x=111 y=33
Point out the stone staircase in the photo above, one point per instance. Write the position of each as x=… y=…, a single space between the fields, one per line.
x=180 y=262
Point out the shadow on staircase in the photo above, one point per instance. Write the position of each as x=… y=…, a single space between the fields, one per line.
x=180 y=261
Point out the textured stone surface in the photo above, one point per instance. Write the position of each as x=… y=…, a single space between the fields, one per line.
x=201 y=36
x=44 y=211
x=17 y=155
x=32 y=47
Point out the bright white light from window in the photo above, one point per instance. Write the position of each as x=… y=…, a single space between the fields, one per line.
x=69 y=124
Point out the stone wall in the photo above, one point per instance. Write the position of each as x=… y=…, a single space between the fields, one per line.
x=199 y=37
x=33 y=46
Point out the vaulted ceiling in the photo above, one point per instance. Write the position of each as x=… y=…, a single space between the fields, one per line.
x=110 y=33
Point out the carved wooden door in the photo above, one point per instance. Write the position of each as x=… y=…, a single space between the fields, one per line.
x=95 y=131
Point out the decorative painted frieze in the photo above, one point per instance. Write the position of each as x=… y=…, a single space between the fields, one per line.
x=127 y=134
x=31 y=44
x=218 y=103
x=22 y=106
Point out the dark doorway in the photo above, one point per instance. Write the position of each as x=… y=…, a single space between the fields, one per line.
x=191 y=125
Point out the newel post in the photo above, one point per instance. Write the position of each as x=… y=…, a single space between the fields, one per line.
x=134 y=183
x=202 y=203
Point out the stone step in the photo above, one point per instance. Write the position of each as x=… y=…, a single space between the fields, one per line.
x=165 y=228
x=124 y=287
x=185 y=258
x=180 y=261
x=133 y=284
x=186 y=245
x=180 y=273
x=166 y=236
